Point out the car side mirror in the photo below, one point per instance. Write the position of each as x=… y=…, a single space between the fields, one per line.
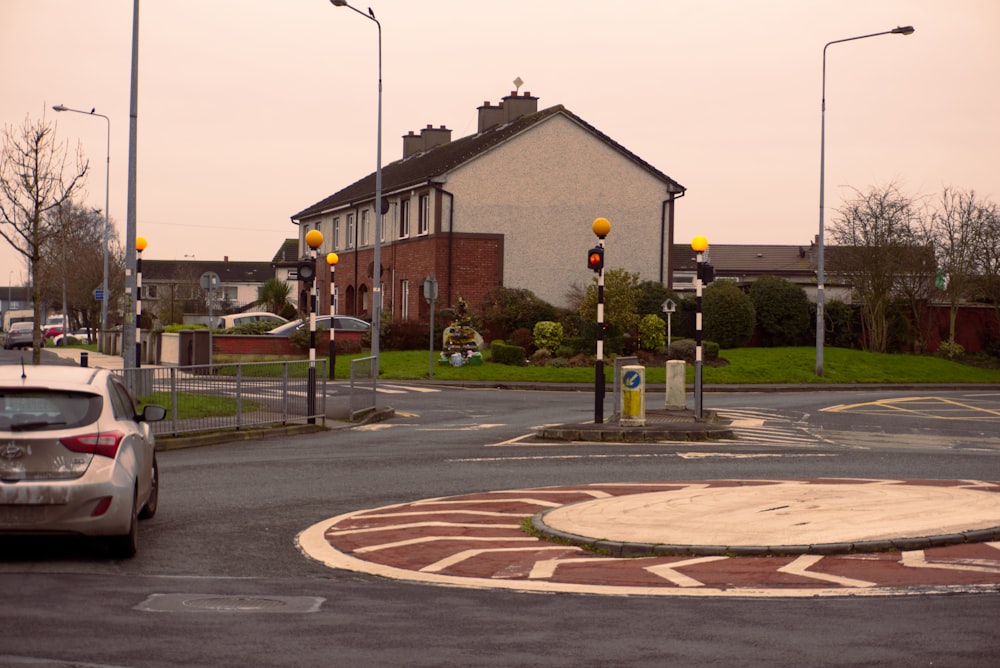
x=152 y=413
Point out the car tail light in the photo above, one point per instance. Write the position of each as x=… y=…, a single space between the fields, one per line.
x=104 y=443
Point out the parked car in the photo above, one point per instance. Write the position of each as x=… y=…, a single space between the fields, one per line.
x=76 y=455
x=341 y=323
x=19 y=336
x=227 y=321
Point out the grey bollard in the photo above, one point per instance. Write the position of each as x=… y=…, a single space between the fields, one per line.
x=675 y=399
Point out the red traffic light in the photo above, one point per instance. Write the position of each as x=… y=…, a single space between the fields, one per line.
x=595 y=258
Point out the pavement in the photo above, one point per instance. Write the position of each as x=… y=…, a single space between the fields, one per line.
x=785 y=538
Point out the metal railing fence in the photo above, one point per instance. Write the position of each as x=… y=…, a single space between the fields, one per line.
x=363 y=393
x=218 y=397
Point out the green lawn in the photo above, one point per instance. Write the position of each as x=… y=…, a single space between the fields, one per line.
x=746 y=366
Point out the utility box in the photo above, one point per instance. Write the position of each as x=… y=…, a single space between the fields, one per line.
x=633 y=401
x=193 y=347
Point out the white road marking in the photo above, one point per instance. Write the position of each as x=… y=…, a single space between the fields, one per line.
x=801 y=567
x=669 y=571
x=469 y=554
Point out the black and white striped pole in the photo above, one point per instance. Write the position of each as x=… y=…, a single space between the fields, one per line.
x=332 y=259
x=595 y=261
x=140 y=245
x=699 y=245
x=307 y=272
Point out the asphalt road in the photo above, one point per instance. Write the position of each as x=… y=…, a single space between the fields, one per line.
x=219 y=582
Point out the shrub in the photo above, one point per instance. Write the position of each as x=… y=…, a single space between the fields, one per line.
x=950 y=350
x=652 y=332
x=509 y=309
x=521 y=337
x=408 y=335
x=541 y=357
x=548 y=335
x=685 y=350
x=507 y=354
x=728 y=314
x=782 y=311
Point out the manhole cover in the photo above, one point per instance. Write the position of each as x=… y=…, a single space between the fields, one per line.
x=216 y=603
x=234 y=603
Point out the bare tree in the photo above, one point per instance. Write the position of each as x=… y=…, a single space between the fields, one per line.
x=875 y=236
x=957 y=224
x=987 y=244
x=72 y=263
x=32 y=184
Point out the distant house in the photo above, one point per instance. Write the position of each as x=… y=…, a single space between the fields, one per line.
x=745 y=263
x=172 y=288
x=511 y=205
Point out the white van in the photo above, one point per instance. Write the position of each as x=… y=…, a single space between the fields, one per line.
x=227 y=321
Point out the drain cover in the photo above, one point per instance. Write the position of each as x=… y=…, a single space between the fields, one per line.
x=216 y=603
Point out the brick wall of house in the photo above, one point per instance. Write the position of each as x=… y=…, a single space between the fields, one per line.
x=236 y=344
x=476 y=261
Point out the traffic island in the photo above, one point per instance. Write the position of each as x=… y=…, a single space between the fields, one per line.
x=660 y=425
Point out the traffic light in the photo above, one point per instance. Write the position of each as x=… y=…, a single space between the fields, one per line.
x=307 y=271
x=707 y=273
x=595 y=259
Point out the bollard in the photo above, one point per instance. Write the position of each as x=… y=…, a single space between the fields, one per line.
x=676 y=399
x=633 y=396
x=83 y=358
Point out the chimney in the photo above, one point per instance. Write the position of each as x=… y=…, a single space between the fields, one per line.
x=515 y=106
x=490 y=116
x=412 y=143
x=435 y=136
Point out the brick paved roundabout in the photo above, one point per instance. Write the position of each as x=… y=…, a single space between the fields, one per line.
x=744 y=538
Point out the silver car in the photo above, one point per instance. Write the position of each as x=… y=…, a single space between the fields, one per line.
x=19 y=336
x=76 y=455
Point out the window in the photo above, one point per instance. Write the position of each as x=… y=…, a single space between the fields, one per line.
x=404 y=299
x=404 y=218
x=336 y=233
x=149 y=291
x=425 y=214
x=364 y=232
x=349 y=243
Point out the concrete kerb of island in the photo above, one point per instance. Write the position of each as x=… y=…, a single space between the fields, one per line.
x=661 y=425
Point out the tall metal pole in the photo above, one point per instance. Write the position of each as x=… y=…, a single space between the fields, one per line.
x=820 y=278
x=129 y=333
x=377 y=260
x=107 y=222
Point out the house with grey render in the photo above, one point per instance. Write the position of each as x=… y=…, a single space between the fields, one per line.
x=511 y=205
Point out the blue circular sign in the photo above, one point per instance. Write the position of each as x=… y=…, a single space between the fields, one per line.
x=631 y=379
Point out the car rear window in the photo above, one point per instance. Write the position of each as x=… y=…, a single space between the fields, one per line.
x=40 y=410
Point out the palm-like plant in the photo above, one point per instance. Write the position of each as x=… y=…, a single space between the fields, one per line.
x=274 y=295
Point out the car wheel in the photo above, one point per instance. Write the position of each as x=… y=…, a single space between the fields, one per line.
x=149 y=509
x=125 y=546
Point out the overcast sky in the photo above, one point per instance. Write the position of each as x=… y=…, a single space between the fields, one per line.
x=251 y=110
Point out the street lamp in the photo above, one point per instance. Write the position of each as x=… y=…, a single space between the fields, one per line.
x=820 y=297
x=379 y=208
x=107 y=223
x=331 y=260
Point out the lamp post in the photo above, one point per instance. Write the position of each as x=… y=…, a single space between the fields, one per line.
x=107 y=222
x=820 y=295
x=331 y=260
x=379 y=208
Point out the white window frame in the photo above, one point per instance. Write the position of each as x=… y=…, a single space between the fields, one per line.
x=349 y=242
x=404 y=218
x=364 y=230
x=336 y=233
x=404 y=299
x=423 y=221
